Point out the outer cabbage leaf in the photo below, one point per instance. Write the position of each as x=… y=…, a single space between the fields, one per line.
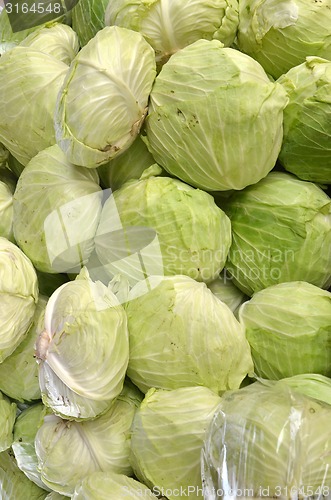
x=7 y=420
x=6 y=211
x=30 y=81
x=181 y=335
x=14 y=484
x=103 y=100
x=168 y=432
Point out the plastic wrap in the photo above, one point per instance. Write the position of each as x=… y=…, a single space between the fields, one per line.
x=268 y=441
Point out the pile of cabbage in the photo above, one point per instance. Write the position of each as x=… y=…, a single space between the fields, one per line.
x=165 y=251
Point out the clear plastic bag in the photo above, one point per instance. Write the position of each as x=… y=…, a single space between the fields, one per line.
x=268 y=441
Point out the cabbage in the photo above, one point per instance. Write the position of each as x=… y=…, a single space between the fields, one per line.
x=83 y=351
x=279 y=34
x=223 y=288
x=170 y=25
x=7 y=420
x=57 y=206
x=6 y=211
x=103 y=100
x=19 y=295
x=181 y=335
x=269 y=441
x=19 y=371
x=306 y=148
x=281 y=231
x=69 y=451
x=30 y=81
x=215 y=119
x=158 y=225
x=288 y=327
x=168 y=432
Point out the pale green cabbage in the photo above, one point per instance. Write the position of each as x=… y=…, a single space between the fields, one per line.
x=170 y=25
x=168 y=433
x=25 y=430
x=19 y=371
x=83 y=351
x=181 y=335
x=111 y=486
x=159 y=225
x=14 y=484
x=57 y=206
x=281 y=33
x=103 y=100
x=69 y=451
x=281 y=231
x=269 y=441
x=30 y=81
x=215 y=119
x=312 y=385
x=306 y=148
x=57 y=40
x=288 y=327
x=19 y=295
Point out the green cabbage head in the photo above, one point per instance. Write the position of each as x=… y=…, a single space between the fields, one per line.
x=215 y=119
x=181 y=335
x=281 y=231
x=306 y=148
x=288 y=327
x=280 y=34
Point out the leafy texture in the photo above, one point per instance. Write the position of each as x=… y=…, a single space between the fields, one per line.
x=88 y=18
x=281 y=231
x=14 y=483
x=288 y=327
x=111 y=486
x=30 y=81
x=215 y=119
x=170 y=25
x=159 y=225
x=69 y=451
x=168 y=432
x=103 y=101
x=57 y=206
x=306 y=148
x=268 y=438
x=18 y=294
x=19 y=371
x=83 y=350
x=181 y=335
x=280 y=34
